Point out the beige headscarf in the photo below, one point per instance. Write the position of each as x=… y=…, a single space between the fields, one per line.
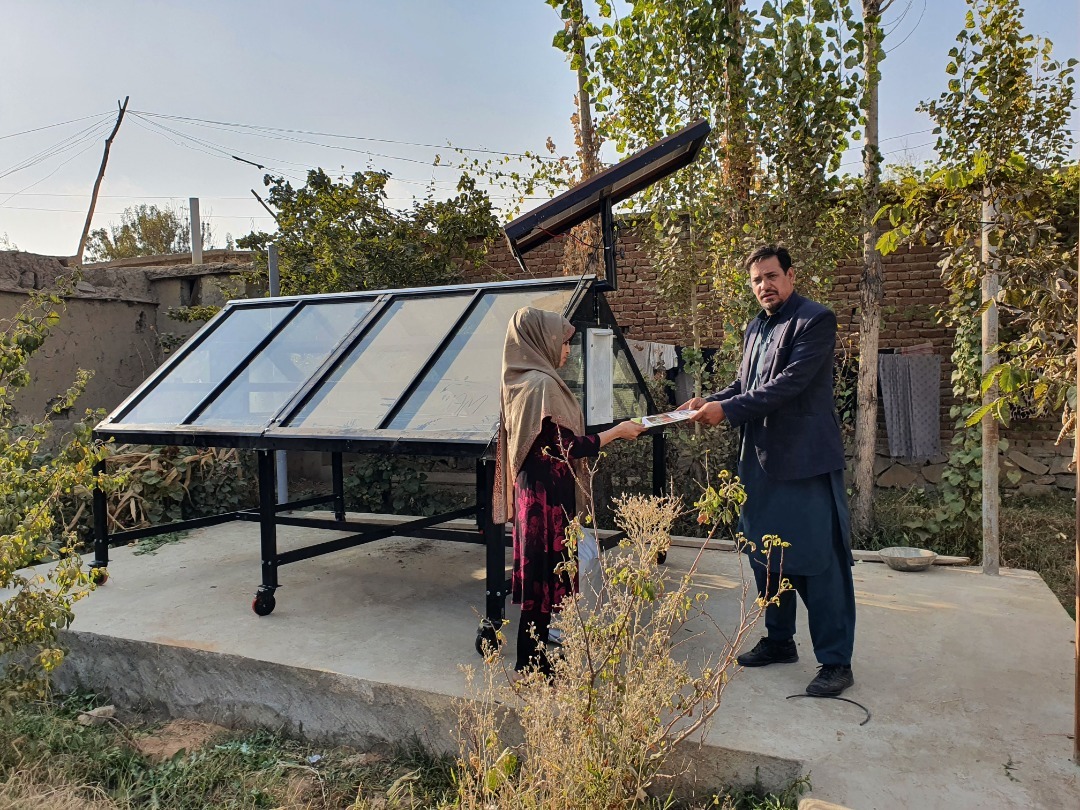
x=532 y=390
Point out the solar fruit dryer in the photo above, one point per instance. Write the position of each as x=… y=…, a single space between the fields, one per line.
x=394 y=372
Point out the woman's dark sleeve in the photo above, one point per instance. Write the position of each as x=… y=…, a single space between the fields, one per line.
x=565 y=441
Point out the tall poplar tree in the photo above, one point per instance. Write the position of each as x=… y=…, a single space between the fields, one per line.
x=872 y=281
x=997 y=206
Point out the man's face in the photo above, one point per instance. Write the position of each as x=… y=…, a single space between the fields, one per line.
x=771 y=285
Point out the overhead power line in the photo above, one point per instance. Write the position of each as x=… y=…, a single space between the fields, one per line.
x=913 y=28
x=859 y=147
x=890 y=152
x=258 y=128
x=263 y=131
x=224 y=153
x=99 y=116
x=125 y=196
x=266 y=131
x=121 y=213
x=61 y=146
x=90 y=140
x=367 y=152
x=198 y=144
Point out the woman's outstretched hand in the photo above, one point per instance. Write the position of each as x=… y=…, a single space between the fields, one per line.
x=629 y=430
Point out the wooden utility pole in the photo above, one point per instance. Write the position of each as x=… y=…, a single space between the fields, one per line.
x=97 y=183
x=262 y=202
x=990 y=434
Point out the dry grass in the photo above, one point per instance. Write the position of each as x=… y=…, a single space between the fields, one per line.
x=1039 y=535
x=176 y=736
x=48 y=761
x=37 y=789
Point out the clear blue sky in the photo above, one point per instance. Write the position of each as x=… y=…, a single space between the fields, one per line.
x=475 y=73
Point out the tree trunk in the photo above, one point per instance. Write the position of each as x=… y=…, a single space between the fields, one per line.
x=584 y=243
x=738 y=156
x=990 y=434
x=1076 y=580
x=871 y=285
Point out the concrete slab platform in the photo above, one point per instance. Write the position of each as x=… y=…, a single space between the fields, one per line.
x=969 y=678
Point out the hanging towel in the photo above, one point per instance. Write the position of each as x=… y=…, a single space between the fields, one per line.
x=911 y=399
x=653 y=358
x=664 y=356
x=640 y=351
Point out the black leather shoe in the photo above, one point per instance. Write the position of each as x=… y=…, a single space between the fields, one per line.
x=769 y=651
x=831 y=680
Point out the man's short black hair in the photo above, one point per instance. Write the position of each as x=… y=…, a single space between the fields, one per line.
x=767 y=252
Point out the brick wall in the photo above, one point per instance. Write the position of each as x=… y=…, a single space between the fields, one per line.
x=636 y=305
x=913 y=293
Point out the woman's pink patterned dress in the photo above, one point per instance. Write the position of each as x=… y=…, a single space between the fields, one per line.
x=544 y=503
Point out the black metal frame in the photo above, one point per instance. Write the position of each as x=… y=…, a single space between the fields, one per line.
x=585 y=308
x=268 y=515
x=600 y=192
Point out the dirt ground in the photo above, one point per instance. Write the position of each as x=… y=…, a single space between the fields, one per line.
x=175 y=736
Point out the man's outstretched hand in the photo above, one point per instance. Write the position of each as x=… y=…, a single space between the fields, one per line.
x=692 y=404
x=708 y=413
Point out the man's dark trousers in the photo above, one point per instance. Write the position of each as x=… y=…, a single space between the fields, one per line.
x=830 y=605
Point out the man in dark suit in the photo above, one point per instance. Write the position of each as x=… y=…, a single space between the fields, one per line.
x=791 y=462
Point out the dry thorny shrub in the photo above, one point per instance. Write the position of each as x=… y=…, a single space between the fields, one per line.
x=625 y=689
x=159 y=479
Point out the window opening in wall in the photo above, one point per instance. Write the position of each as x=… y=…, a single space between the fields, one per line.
x=190 y=292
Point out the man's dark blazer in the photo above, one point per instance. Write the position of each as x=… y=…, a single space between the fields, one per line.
x=790 y=418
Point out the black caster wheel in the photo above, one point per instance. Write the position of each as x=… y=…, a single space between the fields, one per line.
x=264 y=603
x=99 y=576
x=487 y=637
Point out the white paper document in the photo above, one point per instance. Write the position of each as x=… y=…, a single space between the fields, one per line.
x=669 y=418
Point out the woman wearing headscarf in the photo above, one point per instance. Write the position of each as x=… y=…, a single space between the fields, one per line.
x=541 y=479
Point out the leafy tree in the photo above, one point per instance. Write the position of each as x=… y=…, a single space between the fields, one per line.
x=1003 y=207
x=657 y=69
x=803 y=105
x=145 y=230
x=37 y=520
x=778 y=87
x=340 y=235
